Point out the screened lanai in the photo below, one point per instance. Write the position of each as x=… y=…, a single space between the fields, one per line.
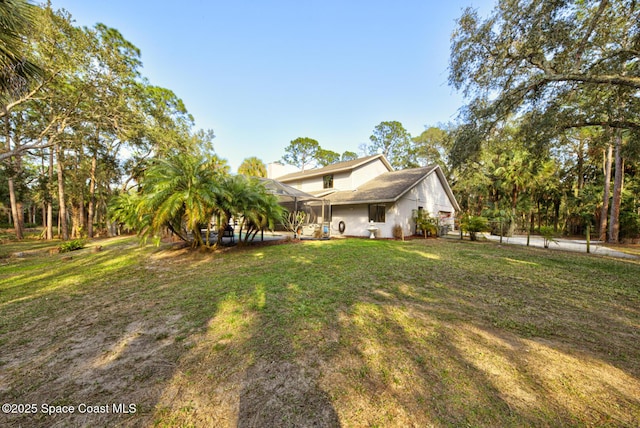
x=318 y=210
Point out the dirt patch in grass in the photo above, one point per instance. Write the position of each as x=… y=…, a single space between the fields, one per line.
x=351 y=332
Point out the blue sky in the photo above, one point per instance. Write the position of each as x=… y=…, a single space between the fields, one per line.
x=262 y=73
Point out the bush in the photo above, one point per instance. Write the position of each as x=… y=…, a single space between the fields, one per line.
x=629 y=220
x=548 y=235
x=425 y=223
x=76 y=244
x=473 y=225
x=508 y=226
x=397 y=231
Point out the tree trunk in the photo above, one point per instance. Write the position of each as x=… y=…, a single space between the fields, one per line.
x=532 y=222
x=81 y=218
x=92 y=196
x=50 y=198
x=15 y=214
x=49 y=221
x=614 y=221
x=605 y=198
x=546 y=215
x=76 y=201
x=62 y=214
x=14 y=210
x=580 y=168
x=556 y=214
x=76 y=221
x=20 y=207
x=110 y=228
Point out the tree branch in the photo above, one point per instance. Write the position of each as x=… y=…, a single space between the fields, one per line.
x=628 y=81
x=592 y=26
x=618 y=124
x=28 y=97
x=39 y=144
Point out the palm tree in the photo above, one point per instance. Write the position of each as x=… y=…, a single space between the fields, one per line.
x=247 y=200
x=253 y=167
x=260 y=209
x=181 y=193
x=16 y=20
x=263 y=215
x=123 y=209
x=232 y=200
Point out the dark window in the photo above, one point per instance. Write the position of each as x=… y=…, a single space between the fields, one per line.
x=377 y=212
x=327 y=181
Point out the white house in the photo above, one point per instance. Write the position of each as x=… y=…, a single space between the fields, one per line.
x=368 y=190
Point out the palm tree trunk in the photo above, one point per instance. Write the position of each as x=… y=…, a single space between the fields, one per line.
x=197 y=238
x=208 y=243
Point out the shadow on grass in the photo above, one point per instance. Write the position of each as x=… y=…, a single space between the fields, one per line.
x=399 y=338
x=332 y=333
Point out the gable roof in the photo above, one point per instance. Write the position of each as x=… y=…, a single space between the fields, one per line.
x=391 y=186
x=334 y=168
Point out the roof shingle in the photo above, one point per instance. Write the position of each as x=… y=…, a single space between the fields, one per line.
x=337 y=167
x=388 y=187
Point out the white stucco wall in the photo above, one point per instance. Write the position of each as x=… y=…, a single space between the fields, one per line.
x=365 y=173
x=342 y=181
x=355 y=218
x=348 y=180
x=309 y=184
x=429 y=194
x=436 y=200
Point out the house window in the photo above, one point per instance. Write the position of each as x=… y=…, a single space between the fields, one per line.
x=327 y=181
x=377 y=212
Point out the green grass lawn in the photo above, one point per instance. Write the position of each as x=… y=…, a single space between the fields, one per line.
x=349 y=332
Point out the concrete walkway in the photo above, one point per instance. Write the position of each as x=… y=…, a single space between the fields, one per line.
x=579 y=246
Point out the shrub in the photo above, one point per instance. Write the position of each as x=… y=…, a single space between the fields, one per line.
x=548 y=235
x=473 y=225
x=397 y=231
x=508 y=226
x=629 y=220
x=425 y=223
x=293 y=222
x=73 y=245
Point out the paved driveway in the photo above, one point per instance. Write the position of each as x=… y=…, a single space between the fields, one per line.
x=560 y=244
